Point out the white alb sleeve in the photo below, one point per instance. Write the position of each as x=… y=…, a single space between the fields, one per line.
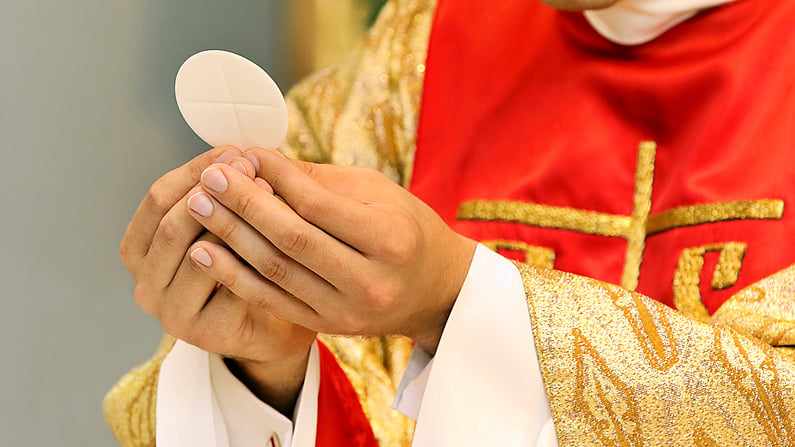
x=200 y=403
x=483 y=386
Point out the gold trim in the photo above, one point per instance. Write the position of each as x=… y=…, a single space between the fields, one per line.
x=545 y=216
x=541 y=257
x=641 y=207
x=765 y=309
x=635 y=228
x=616 y=225
x=721 y=389
x=687 y=216
x=687 y=277
x=364 y=359
x=129 y=407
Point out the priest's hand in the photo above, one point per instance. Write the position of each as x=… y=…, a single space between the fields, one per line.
x=270 y=354
x=336 y=249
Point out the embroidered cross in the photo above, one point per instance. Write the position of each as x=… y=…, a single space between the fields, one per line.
x=634 y=228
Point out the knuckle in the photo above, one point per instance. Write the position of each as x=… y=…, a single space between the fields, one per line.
x=169 y=233
x=125 y=252
x=309 y=207
x=228 y=231
x=246 y=205
x=309 y=169
x=228 y=278
x=276 y=180
x=143 y=299
x=380 y=295
x=296 y=242
x=159 y=201
x=274 y=269
x=401 y=245
x=261 y=299
x=196 y=166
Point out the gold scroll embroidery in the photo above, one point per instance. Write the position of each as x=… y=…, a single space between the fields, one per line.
x=590 y=356
x=702 y=439
x=758 y=381
x=635 y=228
x=607 y=403
x=129 y=407
x=541 y=257
x=652 y=329
x=687 y=278
x=765 y=310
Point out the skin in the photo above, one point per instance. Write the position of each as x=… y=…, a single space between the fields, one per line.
x=341 y=250
x=191 y=306
x=252 y=276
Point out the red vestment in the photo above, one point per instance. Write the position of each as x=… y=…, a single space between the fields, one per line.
x=340 y=420
x=524 y=103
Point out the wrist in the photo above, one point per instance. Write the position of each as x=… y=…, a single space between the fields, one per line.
x=277 y=383
x=430 y=334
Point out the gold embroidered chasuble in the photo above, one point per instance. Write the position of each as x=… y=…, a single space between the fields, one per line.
x=619 y=369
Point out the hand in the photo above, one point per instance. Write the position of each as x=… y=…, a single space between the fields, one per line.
x=346 y=250
x=191 y=306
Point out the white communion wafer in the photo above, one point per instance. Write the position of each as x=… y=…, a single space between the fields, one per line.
x=227 y=99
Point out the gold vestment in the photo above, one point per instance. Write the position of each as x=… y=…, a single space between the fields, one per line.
x=619 y=369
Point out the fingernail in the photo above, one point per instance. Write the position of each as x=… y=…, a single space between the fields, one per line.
x=225 y=156
x=240 y=167
x=201 y=204
x=253 y=159
x=201 y=256
x=214 y=179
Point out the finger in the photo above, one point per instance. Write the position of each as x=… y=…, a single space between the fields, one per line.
x=213 y=326
x=243 y=165
x=162 y=196
x=258 y=251
x=338 y=214
x=346 y=180
x=246 y=283
x=278 y=223
x=190 y=289
x=175 y=233
x=172 y=305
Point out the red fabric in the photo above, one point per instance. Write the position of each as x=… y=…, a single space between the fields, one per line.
x=524 y=102
x=340 y=419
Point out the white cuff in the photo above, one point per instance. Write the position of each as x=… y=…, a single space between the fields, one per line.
x=484 y=386
x=412 y=385
x=200 y=403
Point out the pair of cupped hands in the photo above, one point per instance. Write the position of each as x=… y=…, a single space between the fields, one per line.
x=249 y=254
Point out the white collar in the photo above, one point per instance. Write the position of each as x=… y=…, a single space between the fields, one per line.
x=633 y=22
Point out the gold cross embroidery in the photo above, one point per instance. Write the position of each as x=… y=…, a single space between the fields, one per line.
x=635 y=228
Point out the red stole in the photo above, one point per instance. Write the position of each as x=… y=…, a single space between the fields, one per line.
x=529 y=105
x=340 y=419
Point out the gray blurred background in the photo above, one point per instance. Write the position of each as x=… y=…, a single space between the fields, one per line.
x=88 y=123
